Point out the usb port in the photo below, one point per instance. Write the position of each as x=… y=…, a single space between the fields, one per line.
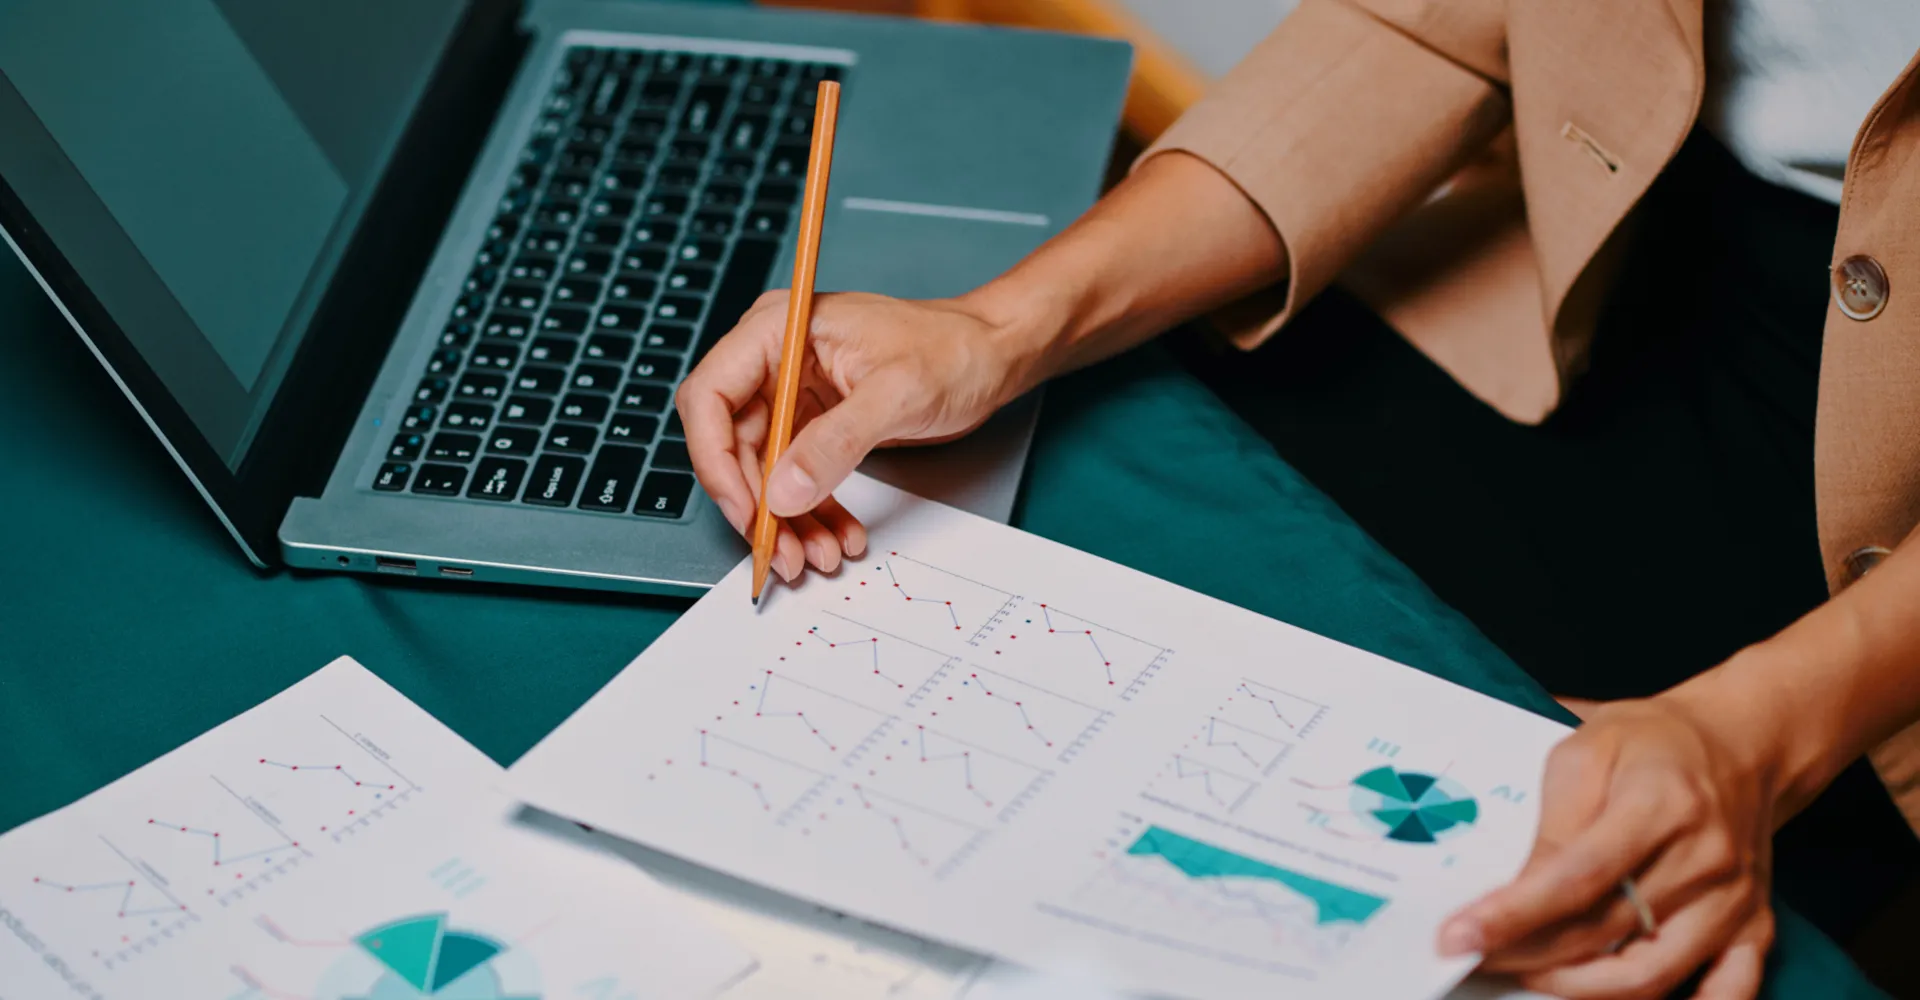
x=455 y=571
x=405 y=567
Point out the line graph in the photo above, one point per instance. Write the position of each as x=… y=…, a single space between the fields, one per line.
x=917 y=600
x=768 y=782
x=1254 y=705
x=927 y=838
x=941 y=771
x=1203 y=786
x=841 y=648
x=1235 y=745
x=1078 y=655
x=308 y=783
x=129 y=915
x=220 y=855
x=806 y=723
x=1022 y=717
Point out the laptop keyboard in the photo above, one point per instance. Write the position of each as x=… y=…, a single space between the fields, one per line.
x=642 y=220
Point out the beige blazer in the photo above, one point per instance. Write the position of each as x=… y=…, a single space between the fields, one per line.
x=1466 y=165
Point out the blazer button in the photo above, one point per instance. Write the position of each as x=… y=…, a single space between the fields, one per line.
x=1864 y=560
x=1860 y=287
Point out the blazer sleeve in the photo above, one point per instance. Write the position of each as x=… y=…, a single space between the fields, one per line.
x=1350 y=114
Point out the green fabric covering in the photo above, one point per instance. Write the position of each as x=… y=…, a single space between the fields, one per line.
x=130 y=623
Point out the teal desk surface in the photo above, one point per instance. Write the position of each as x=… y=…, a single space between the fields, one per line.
x=129 y=622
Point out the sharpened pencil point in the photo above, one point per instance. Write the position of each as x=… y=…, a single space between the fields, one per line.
x=756 y=600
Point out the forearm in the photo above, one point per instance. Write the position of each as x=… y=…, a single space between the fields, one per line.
x=1175 y=239
x=1830 y=687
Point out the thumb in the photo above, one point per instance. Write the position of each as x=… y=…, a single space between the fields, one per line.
x=828 y=449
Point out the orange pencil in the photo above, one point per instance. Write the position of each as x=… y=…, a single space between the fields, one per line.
x=806 y=259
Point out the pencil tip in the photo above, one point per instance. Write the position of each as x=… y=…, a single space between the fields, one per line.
x=756 y=600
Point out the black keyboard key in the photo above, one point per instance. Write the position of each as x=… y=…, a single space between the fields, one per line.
x=797 y=125
x=583 y=408
x=450 y=447
x=550 y=242
x=656 y=231
x=564 y=319
x=745 y=133
x=595 y=131
x=646 y=397
x=526 y=410
x=625 y=182
x=572 y=187
x=632 y=428
x=633 y=154
x=553 y=350
x=440 y=480
x=610 y=482
x=646 y=126
x=392 y=477
x=533 y=267
x=507 y=326
x=657 y=367
x=672 y=455
x=607 y=347
x=519 y=297
x=777 y=191
x=482 y=279
x=666 y=204
x=720 y=66
x=678 y=177
x=587 y=264
x=812 y=73
x=514 y=440
x=579 y=159
x=555 y=479
x=557 y=213
x=609 y=208
x=444 y=361
x=678 y=307
x=620 y=318
x=467 y=417
x=501 y=357
x=764 y=223
x=659 y=93
x=644 y=261
x=711 y=224
x=572 y=438
x=771 y=69
x=584 y=291
x=491 y=253
x=431 y=390
x=693 y=152
x=406 y=447
x=701 y=115
x=505 y=227
x=607 y=236
x=629 y=287
x=745 y=278
x=610 y=95
x=664 y=494
x=735 y=168
x=458 y=333
x=497 y=479
x=701 y=252
x=722 y=197
x=469 y=306
x=788 y=160
x=667 y=337
x=595 y=378
x=418 y=418
x=539 y=380
x=482 y=386
x=690 y=278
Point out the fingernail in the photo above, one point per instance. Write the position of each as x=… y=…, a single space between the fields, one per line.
x=1461 y=936
x=791 y=491
x=816 y=554
x=783 y=563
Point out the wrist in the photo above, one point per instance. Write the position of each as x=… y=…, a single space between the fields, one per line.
x=1759 y=707
x=1031 y=324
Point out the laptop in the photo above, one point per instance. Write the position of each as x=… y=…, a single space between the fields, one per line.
x=407 y=287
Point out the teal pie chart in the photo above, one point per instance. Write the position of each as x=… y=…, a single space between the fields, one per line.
x=1411 y=807
x=423 y=957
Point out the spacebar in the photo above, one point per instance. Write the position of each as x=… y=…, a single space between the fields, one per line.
x=745 y=279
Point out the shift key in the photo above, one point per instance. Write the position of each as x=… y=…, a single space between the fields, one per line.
x=611 y=480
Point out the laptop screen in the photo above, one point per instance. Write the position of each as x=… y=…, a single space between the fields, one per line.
x=202 y=164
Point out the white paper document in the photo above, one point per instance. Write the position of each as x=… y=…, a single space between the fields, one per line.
x=995 y=741
x=335 y=842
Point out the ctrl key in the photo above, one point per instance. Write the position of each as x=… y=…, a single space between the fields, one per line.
x=393 y=477
x=440 y=480
x=664 y=494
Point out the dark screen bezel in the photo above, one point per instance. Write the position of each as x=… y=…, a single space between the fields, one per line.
x=300 y=436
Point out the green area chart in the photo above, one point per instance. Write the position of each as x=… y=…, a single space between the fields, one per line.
x=423 y=957
x=1196 y=859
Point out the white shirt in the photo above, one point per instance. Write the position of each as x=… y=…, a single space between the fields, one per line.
x=1789 y=82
